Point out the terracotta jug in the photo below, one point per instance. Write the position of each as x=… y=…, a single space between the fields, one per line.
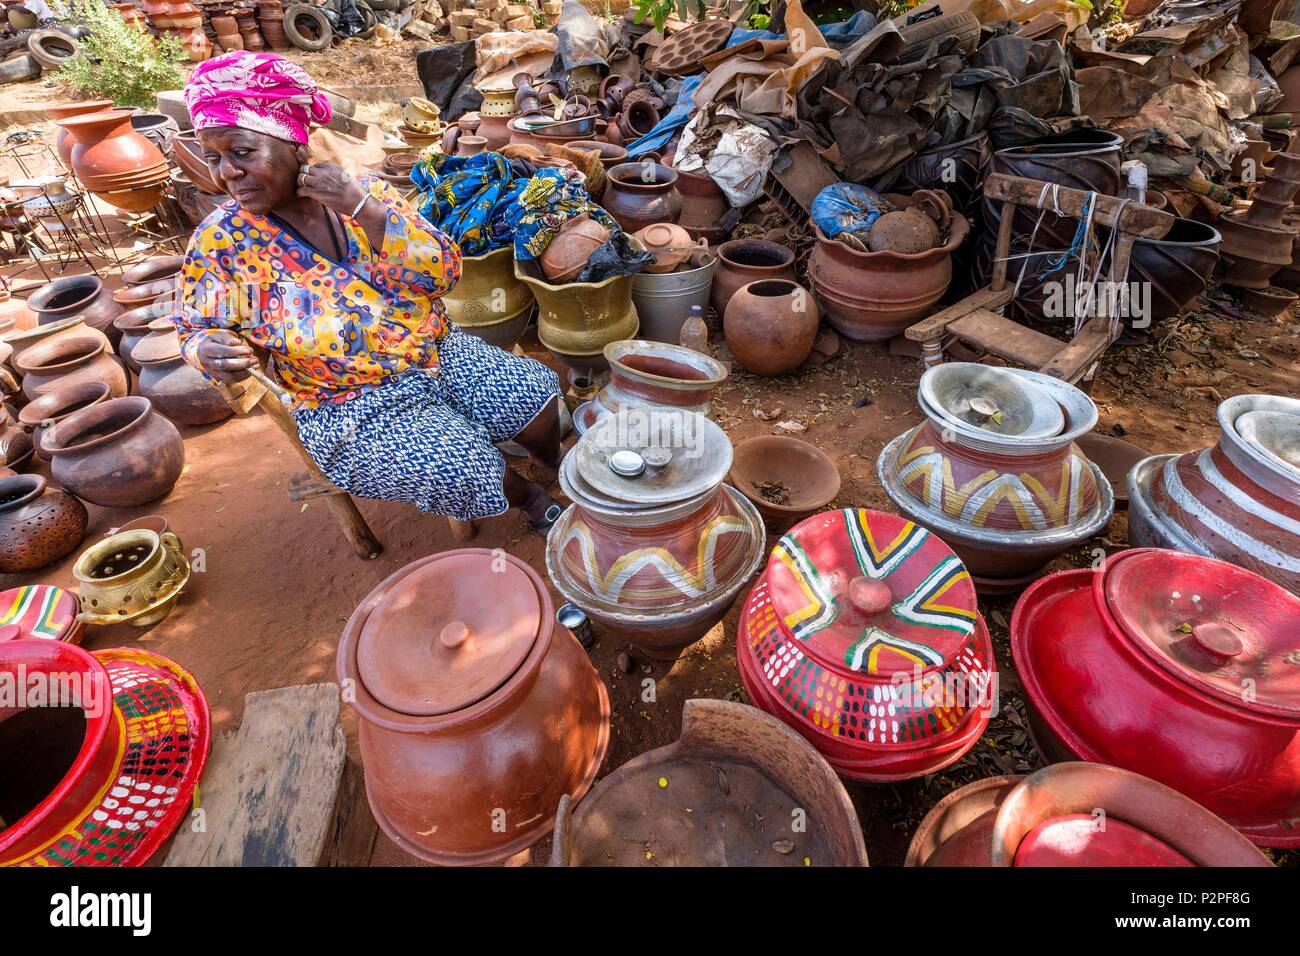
x=477 y=711
x=177 y=388
x=50 y=366
x=771 y=325
x=742 y=261
x=38 y=524
x=106 y=146
x=640 y=194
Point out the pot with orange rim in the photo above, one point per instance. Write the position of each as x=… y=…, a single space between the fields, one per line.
x=1175 y=665
x=63 y=141
x=476 y=711
x=652 y=373
x=863 y=635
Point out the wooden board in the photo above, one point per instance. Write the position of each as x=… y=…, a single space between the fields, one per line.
x=985 y=298
x=1010 y=340
x=280 y=791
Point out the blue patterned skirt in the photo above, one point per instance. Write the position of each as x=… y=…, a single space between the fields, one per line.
x=429 y=438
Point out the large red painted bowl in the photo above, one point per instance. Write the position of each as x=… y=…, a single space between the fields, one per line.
x=1180 y=667
x=863 y=635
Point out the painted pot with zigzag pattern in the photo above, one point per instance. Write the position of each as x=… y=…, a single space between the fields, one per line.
x=863 y=635
x=995 y=471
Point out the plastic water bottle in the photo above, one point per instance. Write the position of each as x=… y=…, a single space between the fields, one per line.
x=695 y=334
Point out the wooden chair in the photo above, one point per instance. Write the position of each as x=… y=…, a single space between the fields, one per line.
x=975 y=320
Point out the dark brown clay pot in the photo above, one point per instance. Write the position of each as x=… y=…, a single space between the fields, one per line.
x=16 y=450
x=641 y=194
x=742 y=261
x=119 y=454
x=703 y=206
x=476 y=711
x=151 y=270
x=56 y=405
x=38 y=524
x=50 y=366
x=84 y=296
x=134 y=326
x=74 y=328
x=176 y=388
x=770 y=326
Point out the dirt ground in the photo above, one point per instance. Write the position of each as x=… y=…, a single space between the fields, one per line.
x=278 y=581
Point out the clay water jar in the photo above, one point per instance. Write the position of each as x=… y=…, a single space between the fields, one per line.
x=842 y=640
x=119 y=454
x=83 y=296
x=703 y=206
x=20 y=340
x=1049 y=818
x=643 y=373
x=174 y=386
x=63 y=141
x=39 y=524
x=50 y=366
x=489 y=301
x=476 y=711
x=742 y=261
x=107 y=149
x=771 y=325
x=808 y=478
x=1142 y=664
x=56 y=405
x=641 y=194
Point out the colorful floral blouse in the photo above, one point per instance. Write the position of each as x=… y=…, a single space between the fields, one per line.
x=334 y=329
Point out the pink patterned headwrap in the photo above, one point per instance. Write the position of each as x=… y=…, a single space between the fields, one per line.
x=263 y=92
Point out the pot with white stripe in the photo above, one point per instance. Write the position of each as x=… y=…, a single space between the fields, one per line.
x=1238 y=501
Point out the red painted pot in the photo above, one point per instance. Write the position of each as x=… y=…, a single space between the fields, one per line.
x=863 y=635
x=1175 y=665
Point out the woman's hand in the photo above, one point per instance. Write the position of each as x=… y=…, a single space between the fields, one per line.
x=225 y=357
x=330 y=186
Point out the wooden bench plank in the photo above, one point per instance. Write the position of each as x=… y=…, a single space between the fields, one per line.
x=934 y=325
x=1003 y=337
x=1071 y=362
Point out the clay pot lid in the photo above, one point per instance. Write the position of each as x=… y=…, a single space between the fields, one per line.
x=682 y=454
x=991 y=399
x=871 y=593
x=1275 y=434
x=449 y=634
x=1220 y=629
x=1076 y=839
x=38 y=611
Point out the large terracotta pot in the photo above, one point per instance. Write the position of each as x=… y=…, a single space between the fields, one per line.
x=1238 y=501
x=51 y=366
x=771 y=325
x=20 y=340
x=641 y=194
x=118 y=454
x=631 y=819
x=56 y=405
x=174 y=386
x=489 y=301
x=84 y=296
x=477 y=711
x=703 y=206
x=873 y=296
x=576 y=320
x=1076 y=814
x=1175 y=665
x=657 y=558
x=653 y=373
x=742 y=261
x=995 y=470
x=38 y=524
x=862 y=634
x=134 y=577
x=107 y=150
x=64 y=142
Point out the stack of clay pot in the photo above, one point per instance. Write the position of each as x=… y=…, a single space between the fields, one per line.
x=496 y=112
x=1174 y=665
x=270 y=18
x=148 y=295
x=477 y=712
x=1238 y=501
x=182 y=20
x=63 y=141
x=460 y=138
x=489 y=301
x=1257 y=243
x=863 y=635
x=115 y=162
x=246 y=18
x=227 y=32
x=131 y=13
x=644 y=373
x=655 y=547
x=995 y=471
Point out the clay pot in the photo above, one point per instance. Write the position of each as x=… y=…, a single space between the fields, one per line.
x=1177 y=266
x=703 y=206
x=664 y=301
x=657 y=558
x=786 y=478
x=841 y=640
x=84 y=296
x=176 y=388
x=641 y=194
x=1049 y=818
x=670 y=244
x=133 y=577
x=38 y=524
x=118 y=454
x=58 y=404
x=1236 y=501
x=473 y=705
x=630 y=819
x=106 y=149
x=569 y=251
x=610 y=155
x=995 y=470
x=1268 y=303
x=652 y=373
x=64 y=142
x=50 y=366
x=771 y=326
x=576 y=320
x=134 y=326
x=152 y=270
x=742 y=261
x=71 y=328
x=1116 y=458
x=1113 y=659
x=489 y=301
x=146 y=293
x=16 y=451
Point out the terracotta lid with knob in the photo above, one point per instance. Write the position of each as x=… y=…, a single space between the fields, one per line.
x=449 y=634
x=1220 y=629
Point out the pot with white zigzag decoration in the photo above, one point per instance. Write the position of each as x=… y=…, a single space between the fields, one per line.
x=863 y=635
x=996 y=472
x=1238 y=501
x=655 y=548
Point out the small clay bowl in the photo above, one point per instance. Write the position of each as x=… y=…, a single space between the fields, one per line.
x=1116 y=458
x=1270 y=303
x=810 y=478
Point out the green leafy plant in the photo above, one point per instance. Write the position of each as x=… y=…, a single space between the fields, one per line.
x=118 y=61
x=660 y=10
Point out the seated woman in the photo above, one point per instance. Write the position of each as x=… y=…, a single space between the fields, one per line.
x=339 y=280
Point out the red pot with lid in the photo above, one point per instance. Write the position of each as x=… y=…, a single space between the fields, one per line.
x=863 y=635
x=1182 y=667
x=477 y=711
